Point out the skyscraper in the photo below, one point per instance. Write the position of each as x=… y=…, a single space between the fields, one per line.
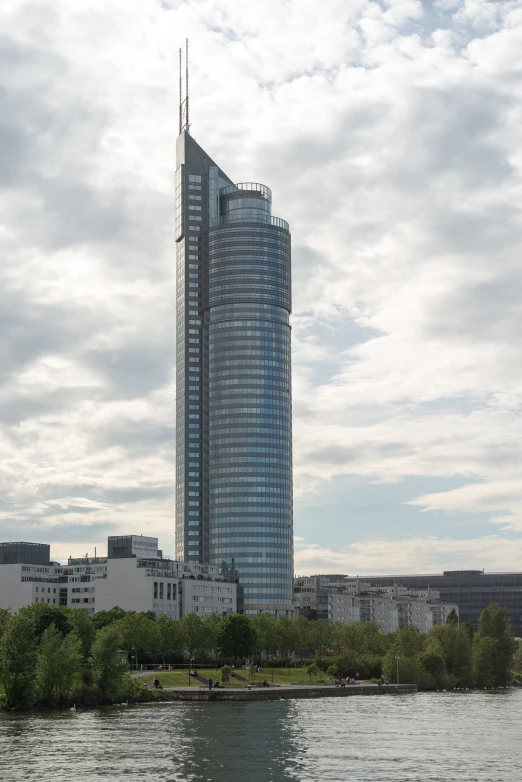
x=234 y=401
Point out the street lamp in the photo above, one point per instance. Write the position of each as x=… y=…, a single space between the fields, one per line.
x=397 y=662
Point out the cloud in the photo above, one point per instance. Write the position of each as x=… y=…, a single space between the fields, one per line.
x=414 y=555
x=389 y=133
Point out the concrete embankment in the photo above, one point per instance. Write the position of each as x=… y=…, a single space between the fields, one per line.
x=278 y=693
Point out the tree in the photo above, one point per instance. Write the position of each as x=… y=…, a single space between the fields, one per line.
x=337 y=636
x=287 y=636
x=517 y=658
x=411 y=669
x=226 y=670
x=44 y=615
x=57 y=665
x=452 y=618
x=302 y=636
x=83 y=626
x=493 y=648
x=17 y=659
x=484 y=657
x=321 y=636
x=237 y=637
x=5 y=613
x=170 y=636
x=108 y=672
x=453 y=644
x=313 y=671
x=105 y=618
x=212 y=626
x=265 y=628
x=194 y=630
x=468 y=627
x=371 y=640
x=135 y=630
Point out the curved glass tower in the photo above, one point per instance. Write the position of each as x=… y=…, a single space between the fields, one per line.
x=234 y=408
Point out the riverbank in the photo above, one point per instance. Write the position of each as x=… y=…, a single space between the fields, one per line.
x=282 y=692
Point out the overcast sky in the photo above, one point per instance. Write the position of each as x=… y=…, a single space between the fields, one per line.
x=391 y=135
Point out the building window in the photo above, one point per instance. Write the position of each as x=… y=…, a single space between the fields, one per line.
x=155 y=590
x=161 y=590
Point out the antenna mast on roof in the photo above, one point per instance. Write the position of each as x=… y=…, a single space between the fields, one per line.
x=184 y=123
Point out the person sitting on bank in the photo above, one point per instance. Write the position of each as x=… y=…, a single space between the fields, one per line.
x=266 y=683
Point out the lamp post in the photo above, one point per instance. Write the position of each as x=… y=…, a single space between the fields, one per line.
x=397 y=662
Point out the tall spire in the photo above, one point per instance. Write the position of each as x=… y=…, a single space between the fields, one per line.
x=184 y=123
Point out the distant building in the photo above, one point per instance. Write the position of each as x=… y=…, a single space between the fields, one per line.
x=134 y=576
x=338 y=598
x=471 y=590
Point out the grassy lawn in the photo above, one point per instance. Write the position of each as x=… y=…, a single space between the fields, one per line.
x=181 y=678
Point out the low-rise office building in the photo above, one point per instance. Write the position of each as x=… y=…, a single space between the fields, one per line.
x=471 y=590
x=134 y=576
x=337 y=598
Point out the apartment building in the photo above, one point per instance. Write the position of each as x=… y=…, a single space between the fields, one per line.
x=134 y=576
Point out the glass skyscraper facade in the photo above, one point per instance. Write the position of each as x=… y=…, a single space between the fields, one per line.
x=234 y=395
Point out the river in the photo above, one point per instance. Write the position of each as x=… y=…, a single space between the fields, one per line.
x=428 y=737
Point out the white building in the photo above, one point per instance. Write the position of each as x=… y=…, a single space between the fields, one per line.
x=134 y=576
x=338 y=598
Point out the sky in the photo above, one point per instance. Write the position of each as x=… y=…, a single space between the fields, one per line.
x=391 y=135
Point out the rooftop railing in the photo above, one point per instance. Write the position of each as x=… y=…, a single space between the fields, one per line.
x=254 y=186
x=228 y=220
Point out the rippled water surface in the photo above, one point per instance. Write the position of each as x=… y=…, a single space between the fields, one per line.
x=447 y=737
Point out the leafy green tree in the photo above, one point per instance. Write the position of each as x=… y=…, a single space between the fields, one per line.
x=484 y=657
x=82 y=625
x=332 y=671
x=5 y=613
x=468 y=627
x=265 y=626
x=105 y=618
x=433 y=662
x=302 y=634
x=18 y=659
x=313 y=671
x=212 y=625
x=108 y=672
x=321 y=636
x=493 y=648
x=287 y=636
x=452 y=618
x=135 y=630
x=517 y=658
x=337 y=636
x=226 y=670
x=452 y=642
x=411 y=669
x=371 y=640
x=170 y=636
x=44 y=615
x=194 y=630
x=57 y=665
x=237 y=637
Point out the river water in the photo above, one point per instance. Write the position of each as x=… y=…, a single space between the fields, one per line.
x=428 y=737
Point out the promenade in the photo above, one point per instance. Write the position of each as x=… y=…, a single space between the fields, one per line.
x=281 y=692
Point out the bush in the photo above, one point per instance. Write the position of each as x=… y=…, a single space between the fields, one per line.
x=226 y=670
x=313 y=671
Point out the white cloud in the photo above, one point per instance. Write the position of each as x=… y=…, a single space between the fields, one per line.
x=417 y=555
x=389 y=133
